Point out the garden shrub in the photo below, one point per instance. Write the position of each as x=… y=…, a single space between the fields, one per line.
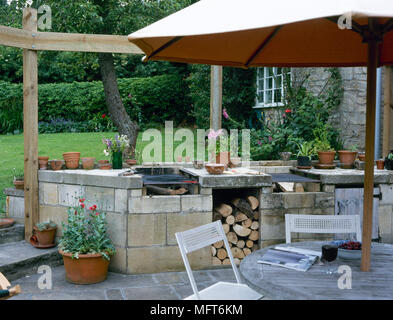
x=80 y=104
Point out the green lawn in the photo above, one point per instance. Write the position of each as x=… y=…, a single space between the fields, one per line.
x=52 y=145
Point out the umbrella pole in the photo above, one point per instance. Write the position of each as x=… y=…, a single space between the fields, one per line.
x=370 y=144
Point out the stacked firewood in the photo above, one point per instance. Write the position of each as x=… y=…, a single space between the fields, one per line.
x=240 y=220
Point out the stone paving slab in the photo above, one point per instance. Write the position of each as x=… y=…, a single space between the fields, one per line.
x=20 y=258
x=158 y=286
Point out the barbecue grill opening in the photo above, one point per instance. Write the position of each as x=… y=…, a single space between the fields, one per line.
x=167 y=181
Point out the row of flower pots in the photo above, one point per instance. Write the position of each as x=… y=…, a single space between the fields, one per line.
x=347 y=159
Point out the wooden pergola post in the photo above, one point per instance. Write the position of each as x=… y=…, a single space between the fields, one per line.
x=386 y=111
x=372 y=65
x=215 y=97
x=30 y=126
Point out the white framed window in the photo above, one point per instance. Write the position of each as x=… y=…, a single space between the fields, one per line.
x=270 y=86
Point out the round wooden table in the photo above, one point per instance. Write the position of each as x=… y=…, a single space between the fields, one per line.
x=281 y=283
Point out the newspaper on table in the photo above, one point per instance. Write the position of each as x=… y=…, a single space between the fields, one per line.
x=291 y=258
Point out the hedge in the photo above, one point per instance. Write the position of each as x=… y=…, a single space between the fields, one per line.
x=149 y=101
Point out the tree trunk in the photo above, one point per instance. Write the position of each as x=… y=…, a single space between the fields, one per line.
x=114 y=103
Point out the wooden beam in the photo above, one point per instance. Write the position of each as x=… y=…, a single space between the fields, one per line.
x=30 y=126
x=370 y=146
x=386 y=111
x=54 y=41
x=215 y=97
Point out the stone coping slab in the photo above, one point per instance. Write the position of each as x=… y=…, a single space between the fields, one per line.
x=95 y=177
x=13 y=192
x=224 y=181
x=344 y=176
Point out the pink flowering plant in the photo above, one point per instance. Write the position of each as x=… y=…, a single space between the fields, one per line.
x=85 y=232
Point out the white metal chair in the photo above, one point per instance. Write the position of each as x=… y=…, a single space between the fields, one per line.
x=203 y=236
x=322 y=224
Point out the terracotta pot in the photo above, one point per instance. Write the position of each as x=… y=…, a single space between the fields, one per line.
x=72 y=159
x=46 y=236
x=6 y=222
x=235 y=162
x=19 y=184
x=380 y=164
x=56 y=164
x=362 y=157
x=105 y=166
x=326 y=157
x=215 y=168
x=88 y=163
x=103 y=161
x=285 y=156
x=131 y=162
x=223 y=158
x=43 y=162
x=88 y=269
x=347 y=157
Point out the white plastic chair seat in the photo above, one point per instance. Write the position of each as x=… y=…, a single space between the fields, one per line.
x=227 y=291
x=198 y=238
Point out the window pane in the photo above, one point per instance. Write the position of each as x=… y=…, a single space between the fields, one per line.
x=261 y=85
x=277 y=95
x=269 y=83
x=260 y=97
x=268 y=96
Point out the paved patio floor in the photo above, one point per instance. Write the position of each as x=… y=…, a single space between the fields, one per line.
x=158 y=286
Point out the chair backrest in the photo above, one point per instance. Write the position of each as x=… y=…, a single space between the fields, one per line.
x=198 y=238
x=322 y=224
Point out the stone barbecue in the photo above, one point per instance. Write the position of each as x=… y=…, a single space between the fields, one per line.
x=142 y=226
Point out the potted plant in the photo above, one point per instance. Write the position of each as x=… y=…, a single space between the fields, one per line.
x=19 y=179
x=325 y=152
x=85 y=245
x=304 y=155
x=348 y=157
x=115 y=147
x=44 y=234
x=389 y=161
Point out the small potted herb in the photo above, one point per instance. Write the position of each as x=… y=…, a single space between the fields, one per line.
x=44 y=233
x=19 y=179
x=304 y=155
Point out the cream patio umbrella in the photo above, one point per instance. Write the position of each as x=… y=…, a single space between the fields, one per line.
x=283 y=33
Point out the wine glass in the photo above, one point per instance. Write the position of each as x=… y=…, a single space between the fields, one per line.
x=329 y=254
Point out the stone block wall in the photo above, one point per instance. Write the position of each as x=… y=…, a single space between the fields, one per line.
x=142 y=228
x=274 y=206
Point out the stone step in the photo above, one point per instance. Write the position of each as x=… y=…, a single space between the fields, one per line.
x=18 y=259
x=12 y=234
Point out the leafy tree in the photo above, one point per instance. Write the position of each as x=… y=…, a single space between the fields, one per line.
x=99 y=17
